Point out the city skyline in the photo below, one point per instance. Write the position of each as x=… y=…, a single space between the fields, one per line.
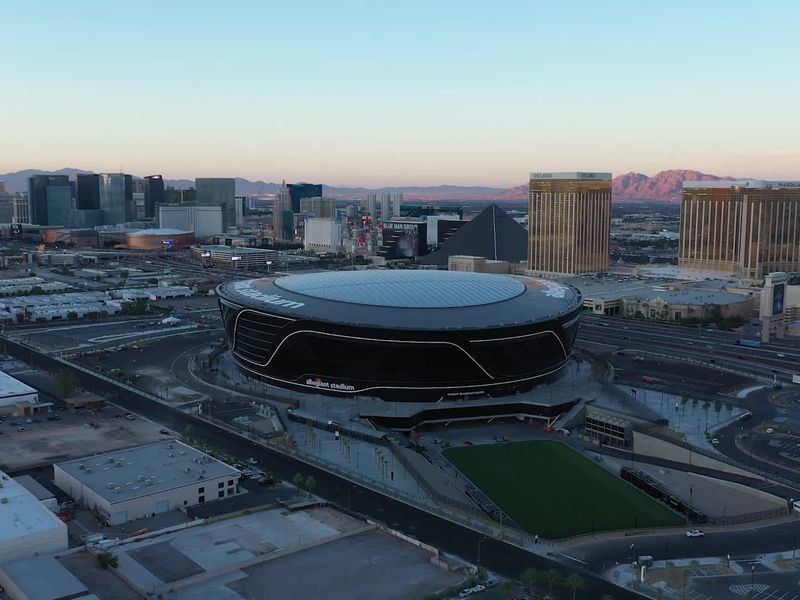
x=407 y=94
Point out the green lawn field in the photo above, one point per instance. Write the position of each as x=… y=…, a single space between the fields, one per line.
x=550 y=489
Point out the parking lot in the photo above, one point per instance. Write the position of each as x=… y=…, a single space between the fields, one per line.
x=764 y=586
x=70 y=436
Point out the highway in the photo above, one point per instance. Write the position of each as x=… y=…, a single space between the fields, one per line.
x=709 y=346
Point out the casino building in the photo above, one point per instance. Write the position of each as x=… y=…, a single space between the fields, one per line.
x=401 y=335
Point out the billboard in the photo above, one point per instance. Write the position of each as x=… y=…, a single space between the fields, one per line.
x=778 y=295
x=404 y=239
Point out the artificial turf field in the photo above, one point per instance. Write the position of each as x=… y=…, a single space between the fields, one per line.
x=551 y=490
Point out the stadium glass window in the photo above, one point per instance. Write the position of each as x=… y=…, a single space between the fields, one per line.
x=387 y=362
x=524 y=356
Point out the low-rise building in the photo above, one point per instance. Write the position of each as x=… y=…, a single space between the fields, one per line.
x=152 y=293
x=478 y=264
x=227 y=257
x=689 y=304
x=17 y=399
x=27 y=527
x=142 y=481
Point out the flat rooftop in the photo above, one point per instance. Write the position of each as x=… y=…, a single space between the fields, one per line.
x=22 y=514
x=10 y=387
x=28 y=574
x=130 y=473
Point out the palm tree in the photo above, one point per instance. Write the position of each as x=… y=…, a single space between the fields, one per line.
x=530 y=577
x=606 y=597
x=506 y=588
x=311 y=483
x=551 y=577
x=298 y=480
x=574 y=582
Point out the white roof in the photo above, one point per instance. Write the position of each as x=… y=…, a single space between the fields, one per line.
x=146 y=470
x=161 y=231
x=10 y=386
x=22 y=514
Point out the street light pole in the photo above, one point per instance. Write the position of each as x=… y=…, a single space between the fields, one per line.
x=480 y=541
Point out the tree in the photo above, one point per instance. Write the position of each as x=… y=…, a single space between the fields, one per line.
x=574 y=582
x=530 y=577
x=506 y=588
x=188 y=432
x=551 y=578
x=606 y=597
x=298 y=480
x=311 y=483
x=107 y=560
x=65 y=382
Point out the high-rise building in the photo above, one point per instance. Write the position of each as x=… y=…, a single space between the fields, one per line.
x=386 y=200
x=218 y=190
x=153 y=194
x=397 y=203
x=748 y=228
x=298 y=191
x=44 y=190
x=372 y=200
x=321 y=208
x=569 y=223
x=173 y=196
x=116 y=198
x=203 y=220
x=282 y=215
x=87 y=188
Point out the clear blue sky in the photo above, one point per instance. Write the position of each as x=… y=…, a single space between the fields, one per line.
x=408 y=92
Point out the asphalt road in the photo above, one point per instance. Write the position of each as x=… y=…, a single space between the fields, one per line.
x=693 y=343
x=498 y=556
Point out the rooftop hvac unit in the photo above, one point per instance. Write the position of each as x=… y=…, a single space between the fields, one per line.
x=170 y=446
x=171 y=455
x=140 y=477
x=81 y=466
x=110 y=485
x=111 y=459
x=117 y=490
x=118 y=465
x=182 y=452
x=148 y=482
x=4 y=500
x=87 y=470
x=188 y=470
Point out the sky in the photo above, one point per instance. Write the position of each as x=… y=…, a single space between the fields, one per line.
x=378 y=92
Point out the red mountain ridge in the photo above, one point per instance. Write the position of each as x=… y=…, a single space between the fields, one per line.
x=664 y=186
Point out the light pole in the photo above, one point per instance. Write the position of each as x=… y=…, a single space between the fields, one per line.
x=480 y=541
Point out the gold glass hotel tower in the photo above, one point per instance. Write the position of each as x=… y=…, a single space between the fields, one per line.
x=569 y=221
x=749 y=228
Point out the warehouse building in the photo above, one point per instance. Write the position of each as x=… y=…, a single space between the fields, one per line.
x=27 y=527
x=139 y=482
x=16 y=398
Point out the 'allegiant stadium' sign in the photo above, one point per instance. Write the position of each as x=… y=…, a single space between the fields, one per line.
x=245 y=288
x=319 y=383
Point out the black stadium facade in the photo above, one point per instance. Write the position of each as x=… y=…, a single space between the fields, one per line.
x=401 y=335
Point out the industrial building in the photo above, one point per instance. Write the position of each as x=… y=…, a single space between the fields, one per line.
x=17 y=399
x=152 y=293
x=56 y=306
x=229 y=257
x=142 y=481
x=569 y=223
x=27 y=527
x=748 y=228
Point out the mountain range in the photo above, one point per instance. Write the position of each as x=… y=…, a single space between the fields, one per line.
x=632 y=187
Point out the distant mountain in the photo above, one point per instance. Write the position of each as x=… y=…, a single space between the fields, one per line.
x=664 y=186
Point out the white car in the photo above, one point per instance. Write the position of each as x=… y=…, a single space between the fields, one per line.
x=694 y=533
x=469 y=591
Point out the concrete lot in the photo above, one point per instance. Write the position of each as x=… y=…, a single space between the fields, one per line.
x=269 y=554
x=71 y=437
x=368 y=565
